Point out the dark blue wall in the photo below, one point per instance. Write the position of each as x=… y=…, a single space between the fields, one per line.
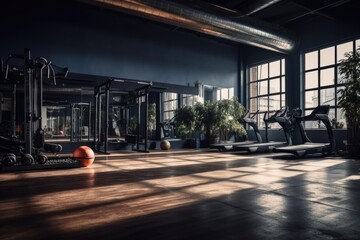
x=97 y=41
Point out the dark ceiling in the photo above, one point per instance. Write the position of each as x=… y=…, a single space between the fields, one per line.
x=286 y=13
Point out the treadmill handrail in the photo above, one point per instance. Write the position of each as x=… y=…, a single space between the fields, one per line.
x=281 y=112
x=320 y=113
x=252 y=123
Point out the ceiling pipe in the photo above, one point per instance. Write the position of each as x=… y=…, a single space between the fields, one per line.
x=244 y=30
x=256 y=6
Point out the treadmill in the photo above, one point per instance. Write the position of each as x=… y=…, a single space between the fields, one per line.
x=247 y=119
x=281 y=117
x=320 y=113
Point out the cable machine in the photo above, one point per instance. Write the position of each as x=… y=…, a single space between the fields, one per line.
x=29 y=76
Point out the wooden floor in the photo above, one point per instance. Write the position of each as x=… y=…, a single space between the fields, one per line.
x=185 y=195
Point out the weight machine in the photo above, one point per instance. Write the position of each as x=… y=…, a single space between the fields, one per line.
x=28 y=75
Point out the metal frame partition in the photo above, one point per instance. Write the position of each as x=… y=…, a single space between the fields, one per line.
x=101 y=134
x=76 y=129
x=101 y=116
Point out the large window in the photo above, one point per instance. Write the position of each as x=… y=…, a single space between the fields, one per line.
x=266 y=88
x=170 y=104
x=322 y=80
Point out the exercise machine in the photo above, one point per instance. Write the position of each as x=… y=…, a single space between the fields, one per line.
x=249 y=120
x=168 y=128
x=269 y=145
x=140 y=92
x=28 y=75
x=320 y=113
x=80 y=112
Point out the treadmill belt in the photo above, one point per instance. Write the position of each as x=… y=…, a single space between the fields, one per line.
x=302 y=149
x=230 y=145
x=259 y=147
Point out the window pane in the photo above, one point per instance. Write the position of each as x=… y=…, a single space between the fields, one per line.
x=170 y=96
x=340 y=78
x=327 y=56
x=283 y=84
x=263 y=103
x=283 y=98
x=341 y=117
x=311 y=99
x=171 y=115
x=224 y=93
x=260 y=120
x=166 y=107
x=231 y=93
x=327 y=96
x=357 y=44
x=338 y=93
x=311 y=80
x=283 y=67
x=253 y=105
x=263 y=71
x=253 y=74
x=263 y=87
x=331 y=117
x=188 y=100
x=310 y=124
x=311 y=60
x=168 y=115
x=275 y=85
x=327 y=77
x=342 y=49
x=332 y=114
x=218 y=95
x=274 y=69
x=253 y=89
x=274 y=102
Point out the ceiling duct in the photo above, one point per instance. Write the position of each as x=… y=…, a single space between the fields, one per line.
x=244 y=30
x=256 y=6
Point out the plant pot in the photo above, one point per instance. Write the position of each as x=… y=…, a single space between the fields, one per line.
x=189 y=143
x=353 y=150
x=214 y=139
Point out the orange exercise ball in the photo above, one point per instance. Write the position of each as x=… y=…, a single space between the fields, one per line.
x=84 y=155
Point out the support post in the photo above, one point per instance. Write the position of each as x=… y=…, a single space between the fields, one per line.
x=28 y=102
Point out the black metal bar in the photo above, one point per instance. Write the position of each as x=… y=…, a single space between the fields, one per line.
x=158 y=115
x=89 y=121
x=72 y=124
x=28 y=77
x=13 y=115
x=106 y=120
x=146 y=119
x=96 y=113
x=41 y=96
x=138 y=124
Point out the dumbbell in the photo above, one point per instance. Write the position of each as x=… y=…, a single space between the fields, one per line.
x=41 y=158
x=9 y=159
x=27 y=159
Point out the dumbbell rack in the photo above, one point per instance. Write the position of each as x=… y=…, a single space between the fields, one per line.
x=55 y=162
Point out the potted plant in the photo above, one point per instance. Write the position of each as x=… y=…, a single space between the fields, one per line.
x=349 y=99
x=151 y=120
x=207 y=120
x=184 y=119
x=229 y=113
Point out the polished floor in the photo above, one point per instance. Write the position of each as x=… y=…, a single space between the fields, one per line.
x=185 y=195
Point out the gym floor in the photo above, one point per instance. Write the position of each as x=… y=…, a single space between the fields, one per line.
x=185 y=195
